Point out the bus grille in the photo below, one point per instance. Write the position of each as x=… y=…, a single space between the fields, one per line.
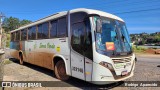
x=121 y=60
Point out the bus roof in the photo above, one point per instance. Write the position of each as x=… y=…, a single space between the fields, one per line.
x=98 y=12
x=60 y=14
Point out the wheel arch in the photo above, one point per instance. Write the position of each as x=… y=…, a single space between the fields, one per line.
x=20 y=52
x=56 y=58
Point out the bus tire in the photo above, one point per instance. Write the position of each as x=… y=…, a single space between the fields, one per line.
x=21 y=59
x=60 y=71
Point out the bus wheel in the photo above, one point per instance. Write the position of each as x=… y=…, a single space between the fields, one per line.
x=21 y=59
x=60 y=71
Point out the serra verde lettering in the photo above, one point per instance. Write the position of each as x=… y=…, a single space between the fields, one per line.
x=48 y=45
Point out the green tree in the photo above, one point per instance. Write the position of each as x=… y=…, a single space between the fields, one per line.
x=8 y=37
x=24 y=22
x=157 y=38
x=10 y=23
x=143 y=42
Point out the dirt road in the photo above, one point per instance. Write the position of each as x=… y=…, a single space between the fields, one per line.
x=144 y=71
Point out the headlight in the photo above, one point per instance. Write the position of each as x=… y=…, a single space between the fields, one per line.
x=107 y=65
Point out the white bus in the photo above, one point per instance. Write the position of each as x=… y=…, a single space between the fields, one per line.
x=87 y=44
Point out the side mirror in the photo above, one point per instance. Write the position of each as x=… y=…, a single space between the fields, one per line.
x=99 y=26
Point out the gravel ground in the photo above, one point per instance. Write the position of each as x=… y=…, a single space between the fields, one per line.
x=144 y=71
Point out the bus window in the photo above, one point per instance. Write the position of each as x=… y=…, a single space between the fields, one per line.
x=77 y=17
x=53 y=30
x=13 y=36
x=17 y=35
x=62 y=27
x=78 y=28
x=43 y=30
x=23 y=34
x=39 y=31
x=32 y=33
x=88 y=40
x=77 y=39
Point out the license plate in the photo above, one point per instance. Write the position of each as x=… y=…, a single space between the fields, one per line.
x=124 y=72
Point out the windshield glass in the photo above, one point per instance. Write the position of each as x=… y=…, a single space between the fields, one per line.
x=113 y=31
x=124 y=36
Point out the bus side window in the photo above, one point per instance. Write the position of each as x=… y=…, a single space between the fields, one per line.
x=32 y=33
x=17 y=35
x=13 y=36
x=23 y=34
x=43 y=30
x=62 y=27
x=81 y=39
x=39 y=31
x=53 y=30
x=77 y=38
x=88 y=40
x=77 y=17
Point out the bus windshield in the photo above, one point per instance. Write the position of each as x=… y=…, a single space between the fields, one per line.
x=114 y=32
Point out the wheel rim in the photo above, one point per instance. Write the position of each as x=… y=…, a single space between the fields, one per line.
x=61 y=70
x=21 y=59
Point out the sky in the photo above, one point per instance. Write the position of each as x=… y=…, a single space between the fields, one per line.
x=139 y=15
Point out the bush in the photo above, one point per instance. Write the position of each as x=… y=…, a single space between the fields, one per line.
x=138 y=49
x=8 y=40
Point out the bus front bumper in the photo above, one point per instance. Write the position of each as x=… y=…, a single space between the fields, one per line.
x=105 y=76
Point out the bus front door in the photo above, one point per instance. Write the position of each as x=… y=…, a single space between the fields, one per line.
x=77 y=57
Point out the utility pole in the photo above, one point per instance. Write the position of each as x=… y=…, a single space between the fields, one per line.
x=1 y=18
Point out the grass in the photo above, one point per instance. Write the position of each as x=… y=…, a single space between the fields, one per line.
x=138 y=49
x=7 y=61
